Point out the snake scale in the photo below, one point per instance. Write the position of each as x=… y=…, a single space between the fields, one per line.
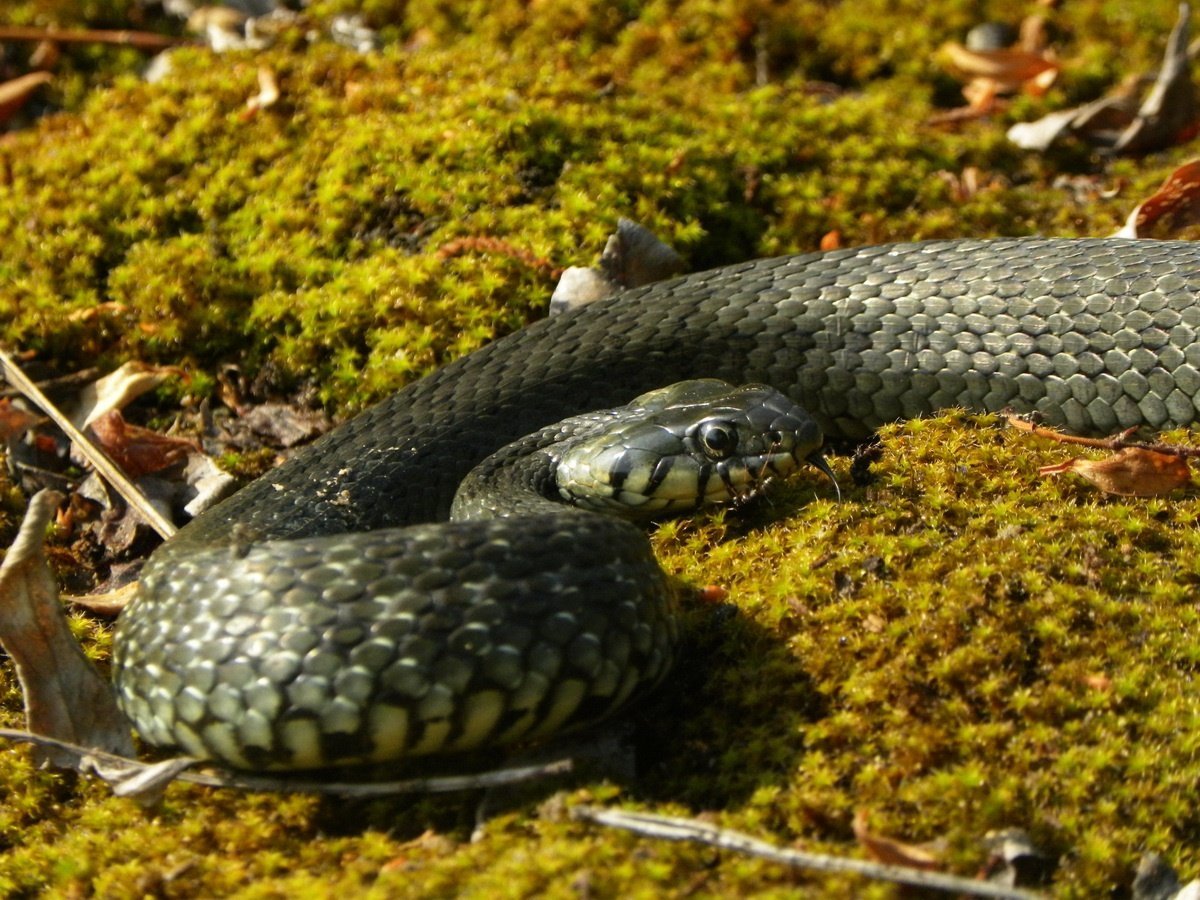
x=1095 y=335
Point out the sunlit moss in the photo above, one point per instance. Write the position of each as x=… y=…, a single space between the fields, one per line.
x=958 y=646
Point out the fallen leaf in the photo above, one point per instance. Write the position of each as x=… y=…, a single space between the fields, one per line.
x=1170 y=107
x=106 y=603
x=14 y=93
x=118 y=389
x=831 y=240
x=268 y=92
x=1098 y=681
x=14 y=421
x=65 y=698
x=1132 y=472
x=1176 y=205
x=891 y=851
x=282 y=425
x=1168 y=115
x=139 y=451
x=1009 y=68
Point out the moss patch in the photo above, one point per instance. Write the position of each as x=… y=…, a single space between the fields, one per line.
x=957 y=647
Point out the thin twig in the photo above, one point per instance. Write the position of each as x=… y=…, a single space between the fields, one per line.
x=1122 y=440
x=97 y=457
x=114 y=763
x=142 y=40
x=671 y=828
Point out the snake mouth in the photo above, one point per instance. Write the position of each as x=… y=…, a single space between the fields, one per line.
x=816 y=459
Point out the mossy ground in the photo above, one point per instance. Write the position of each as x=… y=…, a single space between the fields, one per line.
x=957 y=647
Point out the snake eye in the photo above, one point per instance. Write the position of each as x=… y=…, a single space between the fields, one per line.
x=719 y=439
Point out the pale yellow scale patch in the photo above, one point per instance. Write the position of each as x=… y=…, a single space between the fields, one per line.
x=567 y=696
x=388 y=727
x=433 y=738
x=222 y=738
x=680 y=484
x=189 y=742
x=480 y=712
x=303 y=738
x=517 y=729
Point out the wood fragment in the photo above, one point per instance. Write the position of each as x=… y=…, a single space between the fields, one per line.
x=672 y=828
x=106 y=467
x=142 y=40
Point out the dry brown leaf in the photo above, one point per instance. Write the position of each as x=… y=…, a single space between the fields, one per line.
x=1011 y=67
x=713 y=593
x=108 y=308
x=118 y=389
x=1098 y=681
x=14 y=93
x=268 y=92
x=1175 y=205
x=1116 y=122
x=1132 y=472
x=992 y=73
x=891 y=851
x=14 y=421
x=831 y=240
x=65 y=698
x=139 y=451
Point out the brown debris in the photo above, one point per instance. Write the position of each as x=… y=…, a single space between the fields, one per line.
x=1175 y=206
x=65 y=698
x=891 y=851
x=1132 y=472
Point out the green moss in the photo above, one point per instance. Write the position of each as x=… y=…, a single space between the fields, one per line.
x=957 y=647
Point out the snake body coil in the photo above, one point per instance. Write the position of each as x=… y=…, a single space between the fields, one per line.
x=1094 y=334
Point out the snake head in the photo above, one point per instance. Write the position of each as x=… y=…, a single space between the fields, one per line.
x=691 y=444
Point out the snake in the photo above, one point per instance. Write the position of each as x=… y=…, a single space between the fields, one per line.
x=264 y=633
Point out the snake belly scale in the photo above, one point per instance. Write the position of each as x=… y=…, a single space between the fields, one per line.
x=1093 y=334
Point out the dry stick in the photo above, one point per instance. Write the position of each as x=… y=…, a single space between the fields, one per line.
x=142 y=40
x=97 y=457
x=671 y=828
x=437 y=784
x=1120 y=441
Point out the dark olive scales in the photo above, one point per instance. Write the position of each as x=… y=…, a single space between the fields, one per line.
x=525 y=619
x=1094 y=334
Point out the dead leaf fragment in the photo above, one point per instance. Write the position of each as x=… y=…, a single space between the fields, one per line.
x=14 y=421
x=1009 y=68
x=1174 y=206
x=1098 y=682
x=139 y=451
x=118 y=389
x=14 y=93
x=1115 y=122
x=268 y=92
x=991 y=72
x=1132 y=472
x=65 y=698
x=891 y=851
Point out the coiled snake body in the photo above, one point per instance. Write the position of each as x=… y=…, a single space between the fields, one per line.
x=1094 y=334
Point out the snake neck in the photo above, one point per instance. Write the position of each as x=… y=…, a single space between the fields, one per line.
x=520 y=479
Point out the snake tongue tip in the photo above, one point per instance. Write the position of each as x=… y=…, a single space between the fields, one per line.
x=817 y=460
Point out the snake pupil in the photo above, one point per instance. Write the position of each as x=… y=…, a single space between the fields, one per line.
x=719 y=439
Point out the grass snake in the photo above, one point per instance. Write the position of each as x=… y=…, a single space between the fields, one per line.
x=1095 y=335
